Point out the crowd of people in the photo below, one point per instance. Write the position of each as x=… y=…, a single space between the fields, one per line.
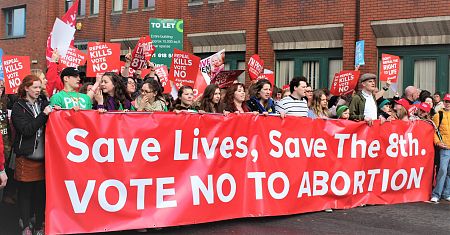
x=23 y=130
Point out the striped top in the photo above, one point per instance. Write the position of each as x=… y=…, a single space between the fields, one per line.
x=292 y=106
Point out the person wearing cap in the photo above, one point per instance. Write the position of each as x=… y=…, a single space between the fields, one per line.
x=422 y=112
x=69 y=98
x=363 y=106
x=401 y=108
x=442 y=140
x=385 y=111
x=342 y=112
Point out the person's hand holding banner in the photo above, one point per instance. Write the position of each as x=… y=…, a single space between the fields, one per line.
x=255 y=67
x=344 y=82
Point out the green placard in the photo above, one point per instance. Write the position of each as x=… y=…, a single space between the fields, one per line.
x=166 y=35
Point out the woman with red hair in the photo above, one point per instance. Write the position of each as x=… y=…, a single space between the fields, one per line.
x=29 y=115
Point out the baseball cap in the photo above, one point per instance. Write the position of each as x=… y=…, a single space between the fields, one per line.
x=70 y=71
x=367 y=76
x=403 y=102
x=447 y=97
x=424 y=106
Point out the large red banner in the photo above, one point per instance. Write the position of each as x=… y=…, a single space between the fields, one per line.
x=110 y=172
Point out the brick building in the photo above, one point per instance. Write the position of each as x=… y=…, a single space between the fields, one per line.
x=311 y=38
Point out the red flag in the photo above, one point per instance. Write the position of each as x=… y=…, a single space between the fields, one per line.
x=390 y=66
x=344 y=82
x=142 y=53
x=69 y=18
x=15 y=69
x=255 y=66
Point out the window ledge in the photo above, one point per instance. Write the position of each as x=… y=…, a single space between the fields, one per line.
x=116 y=13
x=215 y=1
x=13 y=37
x=195 y=4
x=93 y=16
x=133 y=11
x=149 y=9
x=81 y=17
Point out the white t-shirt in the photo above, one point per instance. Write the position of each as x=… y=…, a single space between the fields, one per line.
x=370 y=108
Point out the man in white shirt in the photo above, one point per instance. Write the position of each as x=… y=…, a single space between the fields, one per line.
x=295 y=104
x=363 y=106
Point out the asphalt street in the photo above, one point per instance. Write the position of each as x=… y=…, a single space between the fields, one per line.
x=409 y=218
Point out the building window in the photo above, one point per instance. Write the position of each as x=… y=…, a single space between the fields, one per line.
x=149 y=3
x=311 y=72
x=133 y=4
x=67 y=5
x=82 y=8
x=284 y=72
x=94 y=7
x=15 y=22
x=117 y=5
x=425 y=74
x=334 y=66
x=241 y=66
x=195 y=2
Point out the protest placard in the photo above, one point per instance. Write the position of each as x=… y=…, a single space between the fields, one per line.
x=225 y=78
x=268 y=75
x=390 y=66
x=1 y=65
x=213 y=65
x=15 y=68
x=255 y=67
x=184 y=68
x=62 y=35
x=163 y=74
x=103 y=57
x=359 y=53
x=73 y=58
x=142 y=53
x=344 y=82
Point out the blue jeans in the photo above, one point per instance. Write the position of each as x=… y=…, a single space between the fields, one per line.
x=442 y=188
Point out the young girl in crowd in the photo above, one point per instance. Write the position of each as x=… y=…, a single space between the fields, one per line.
x=29 y=115
x=319 y=105
x=210 y=101
x=38 y=73
x=151 y=99
x=385 y=112
x=131 y=88
x=235 y=99
x=115 y=95
x=343 y=112
x=185 y=100
x=261 y=101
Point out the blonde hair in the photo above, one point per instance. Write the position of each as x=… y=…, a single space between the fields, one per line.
x=38 y=73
